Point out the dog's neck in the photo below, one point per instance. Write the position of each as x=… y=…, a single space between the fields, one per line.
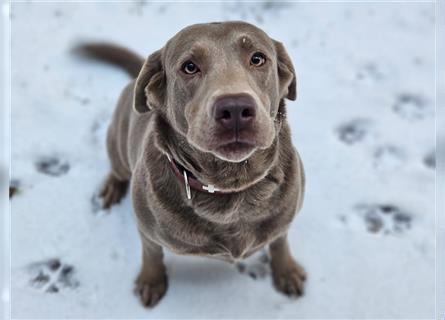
x=210 y=170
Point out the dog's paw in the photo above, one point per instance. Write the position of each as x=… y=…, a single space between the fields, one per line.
x=150 y=292
x=289 y=279
x=112 y=191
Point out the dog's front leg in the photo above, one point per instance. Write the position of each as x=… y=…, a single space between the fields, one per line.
x=288 y=275
x=151 y=283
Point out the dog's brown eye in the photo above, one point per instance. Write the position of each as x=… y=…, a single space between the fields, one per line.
x=258 y=59
x=189 y=67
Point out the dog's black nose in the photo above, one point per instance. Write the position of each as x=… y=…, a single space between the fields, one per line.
x=234 y=112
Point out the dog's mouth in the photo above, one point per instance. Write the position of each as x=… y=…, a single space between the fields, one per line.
x=233 y=145
x=236 y=147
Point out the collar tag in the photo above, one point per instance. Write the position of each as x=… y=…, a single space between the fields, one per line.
x=187 y=185
x=196 y=184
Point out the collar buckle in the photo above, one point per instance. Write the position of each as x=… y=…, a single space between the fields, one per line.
x=210 y=188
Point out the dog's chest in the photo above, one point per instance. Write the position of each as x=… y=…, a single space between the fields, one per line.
x=228 y=245
x=236 y=241
x=229 y=242
x=223 y=226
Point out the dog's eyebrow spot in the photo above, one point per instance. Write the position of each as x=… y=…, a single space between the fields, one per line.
x=245 y=42
x=248 y=43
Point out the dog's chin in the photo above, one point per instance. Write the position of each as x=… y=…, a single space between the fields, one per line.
x=235 y=151
x=232 y=148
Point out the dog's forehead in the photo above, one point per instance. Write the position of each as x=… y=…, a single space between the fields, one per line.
x=219 y=33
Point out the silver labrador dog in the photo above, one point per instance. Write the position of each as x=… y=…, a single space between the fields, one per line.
x=202 y=138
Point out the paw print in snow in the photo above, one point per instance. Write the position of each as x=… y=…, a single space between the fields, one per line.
x=256 y=267
x=370 y=73
x=412 y=107
x=52 y=276
x=389 y=157
x=52 y=166
x=353 y=131
x=384 y=218
x=430 y=160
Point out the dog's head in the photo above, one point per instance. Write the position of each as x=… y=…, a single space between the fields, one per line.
x=219 y=85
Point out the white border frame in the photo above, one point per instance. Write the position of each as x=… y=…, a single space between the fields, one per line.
x=5 y=137
x=5 y=160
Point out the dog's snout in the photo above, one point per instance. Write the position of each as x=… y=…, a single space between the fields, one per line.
x=234 y=112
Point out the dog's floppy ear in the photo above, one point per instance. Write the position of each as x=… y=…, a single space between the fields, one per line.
x=149 y=89
x=286 y=73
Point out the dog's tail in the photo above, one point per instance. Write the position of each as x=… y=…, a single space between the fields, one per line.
x=130 y=61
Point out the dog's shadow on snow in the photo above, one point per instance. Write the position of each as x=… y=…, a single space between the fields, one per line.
x=205 y=271
x=200 y=271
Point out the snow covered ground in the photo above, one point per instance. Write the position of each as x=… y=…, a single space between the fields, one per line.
x=363 y=123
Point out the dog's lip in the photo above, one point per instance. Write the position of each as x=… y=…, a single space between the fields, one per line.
x=236 y=147
x=233 y=138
